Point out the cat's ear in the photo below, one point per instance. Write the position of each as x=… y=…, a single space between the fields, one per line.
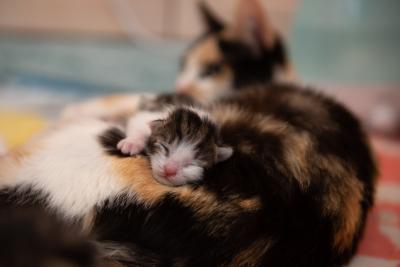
x=224 y=153
x=252 y=26
x=211 y=22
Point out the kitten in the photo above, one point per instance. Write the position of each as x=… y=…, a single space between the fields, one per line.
x=183 y=145
x=181 y=142
x=230 y=57
x=150 y=108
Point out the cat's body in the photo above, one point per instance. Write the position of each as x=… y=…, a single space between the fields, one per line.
x=295 y=192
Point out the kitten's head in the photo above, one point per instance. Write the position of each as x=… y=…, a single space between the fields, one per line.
x=183 y=145
x=226 y=57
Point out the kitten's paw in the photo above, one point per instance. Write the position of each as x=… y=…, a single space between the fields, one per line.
x=131 y=146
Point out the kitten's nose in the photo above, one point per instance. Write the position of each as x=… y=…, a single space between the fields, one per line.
x=170 y=169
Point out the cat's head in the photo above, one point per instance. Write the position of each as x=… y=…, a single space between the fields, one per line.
x=183 y=146
x=227 y=57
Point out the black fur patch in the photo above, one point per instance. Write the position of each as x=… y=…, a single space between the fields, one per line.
x=33 y=236
x=251 y=68
x=288 y=227
x=109 y=140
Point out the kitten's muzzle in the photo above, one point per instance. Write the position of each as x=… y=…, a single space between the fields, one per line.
x=171 y=169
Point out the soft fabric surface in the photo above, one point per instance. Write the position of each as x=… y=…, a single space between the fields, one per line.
x=380 y=246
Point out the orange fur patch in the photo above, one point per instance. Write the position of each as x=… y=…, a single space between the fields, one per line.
x=205 y=52
x=342 y=200
x=136 y=174
x=350 y=214
x=87 y=222
x=12 y=160
x=202 y=54
x=297 y=147
x=250 y=204
x=251 y=256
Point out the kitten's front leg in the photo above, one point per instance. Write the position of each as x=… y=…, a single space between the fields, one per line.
x=138 y=131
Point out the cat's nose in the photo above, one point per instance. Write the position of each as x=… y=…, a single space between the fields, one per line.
x=171 y=169
x=183 y=87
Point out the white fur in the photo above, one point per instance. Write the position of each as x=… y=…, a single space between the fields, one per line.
x=203 y=89
x=71 y=167
x=138 y=131
x=188 y=76
x=183 y=154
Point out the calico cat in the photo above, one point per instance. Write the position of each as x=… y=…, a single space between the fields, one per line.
x=295 y=192
x=224 y=59
x=230 y=57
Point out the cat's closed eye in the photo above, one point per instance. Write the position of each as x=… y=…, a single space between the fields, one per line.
x=163 y=147
x=211 y=69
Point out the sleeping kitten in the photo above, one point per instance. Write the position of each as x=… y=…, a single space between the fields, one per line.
x=183 y=145
x=229 y=57
x=181 y=141
x=150 y=108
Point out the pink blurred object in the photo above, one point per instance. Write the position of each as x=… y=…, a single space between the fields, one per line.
x=380 y=246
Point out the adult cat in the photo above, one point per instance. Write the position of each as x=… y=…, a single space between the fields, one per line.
x=295 y=192
x=223 y=59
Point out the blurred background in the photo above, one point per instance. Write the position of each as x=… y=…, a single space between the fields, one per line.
x=55 y=52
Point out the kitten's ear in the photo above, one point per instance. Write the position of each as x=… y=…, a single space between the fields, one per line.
x=224 y=153
x=252 y=26
x=211 y=22
x=155 y=124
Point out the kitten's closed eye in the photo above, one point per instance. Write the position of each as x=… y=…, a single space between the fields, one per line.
x=164 y=147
